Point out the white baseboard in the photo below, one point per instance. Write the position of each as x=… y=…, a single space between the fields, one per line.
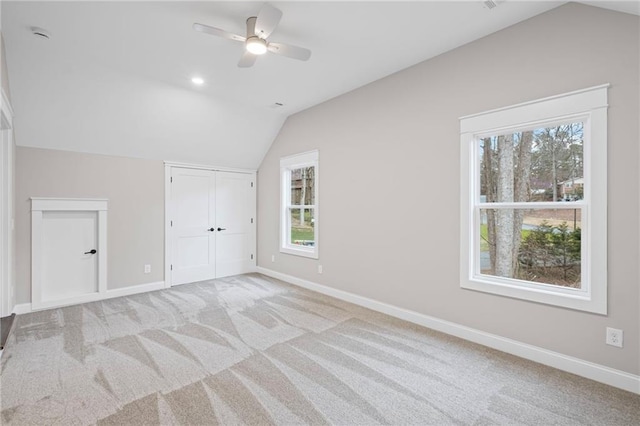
x=25 y=308
x=580 y=367
x=22 y=308
x=134 y=289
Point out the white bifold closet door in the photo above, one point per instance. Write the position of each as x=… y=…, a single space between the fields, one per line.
x=210 y=224
x=233 y=223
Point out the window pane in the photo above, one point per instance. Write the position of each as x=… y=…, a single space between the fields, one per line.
x=541 y=245
x=302 y=227
x=302 y=186
x=544 y=164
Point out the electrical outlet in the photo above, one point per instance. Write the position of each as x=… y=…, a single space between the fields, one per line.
x=319 y=269
x=147 y=269
x=273 y=257
x=615 y=337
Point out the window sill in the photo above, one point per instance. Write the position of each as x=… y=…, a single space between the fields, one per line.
x=563 y=297
x=313 y=254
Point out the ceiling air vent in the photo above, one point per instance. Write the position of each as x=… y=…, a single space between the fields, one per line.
x=490 y=4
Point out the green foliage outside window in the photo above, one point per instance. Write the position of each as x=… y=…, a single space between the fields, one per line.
x=551 y=254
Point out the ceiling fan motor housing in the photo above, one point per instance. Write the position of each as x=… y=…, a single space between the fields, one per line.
x=254 y=44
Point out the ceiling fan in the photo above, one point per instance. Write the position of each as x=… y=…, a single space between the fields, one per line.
x=258 y=30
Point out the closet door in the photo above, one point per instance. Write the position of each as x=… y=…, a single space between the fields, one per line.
x=68 y=251
x=233 y=223
x=69 y=254
x=193 y=216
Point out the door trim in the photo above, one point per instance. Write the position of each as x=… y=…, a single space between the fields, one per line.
x=7 y=209
x=38 y=207
x=168 y=166
x=207 y=167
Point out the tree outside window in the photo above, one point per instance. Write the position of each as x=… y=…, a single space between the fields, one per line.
x=299 y=204
x=541 y=244
x=534 y=200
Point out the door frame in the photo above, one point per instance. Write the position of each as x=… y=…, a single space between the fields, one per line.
x=168 y=166
x=38 y=207
x=7 y=213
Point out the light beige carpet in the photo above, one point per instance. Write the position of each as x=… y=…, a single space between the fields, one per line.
x=252 y=350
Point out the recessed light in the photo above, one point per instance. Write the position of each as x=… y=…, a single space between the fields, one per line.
x=197 y=81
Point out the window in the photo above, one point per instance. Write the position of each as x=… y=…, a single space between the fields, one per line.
x=534 y=201
x=299 y=204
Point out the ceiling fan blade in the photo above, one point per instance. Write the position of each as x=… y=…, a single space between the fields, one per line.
x=217 y=32
x=247 y=60
x=289 y=51
x=268 y=19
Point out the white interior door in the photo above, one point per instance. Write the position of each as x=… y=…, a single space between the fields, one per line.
x=69 y=261
x=210 y=218
x=193 y=205
x=68 y=251
x=233 y=223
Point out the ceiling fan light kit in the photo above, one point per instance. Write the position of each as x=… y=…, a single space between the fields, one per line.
x=256 y=45
x=258 y=30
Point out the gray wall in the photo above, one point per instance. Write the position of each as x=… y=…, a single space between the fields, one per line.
x=390 y=178
x=135 y=224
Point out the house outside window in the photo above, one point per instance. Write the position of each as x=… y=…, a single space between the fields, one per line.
x=572 y=189
x=299 y=202
x=533 y=201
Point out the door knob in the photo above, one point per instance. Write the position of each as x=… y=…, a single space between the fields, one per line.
x=93 y=251
x=222 y=229
x=211 y=229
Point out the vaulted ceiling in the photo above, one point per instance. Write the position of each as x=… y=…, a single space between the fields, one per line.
x=115 y=77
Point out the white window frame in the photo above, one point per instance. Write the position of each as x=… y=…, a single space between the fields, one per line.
x=287 y=164
x=587 y=105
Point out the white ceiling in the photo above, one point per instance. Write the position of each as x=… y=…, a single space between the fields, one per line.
x=115 y=76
